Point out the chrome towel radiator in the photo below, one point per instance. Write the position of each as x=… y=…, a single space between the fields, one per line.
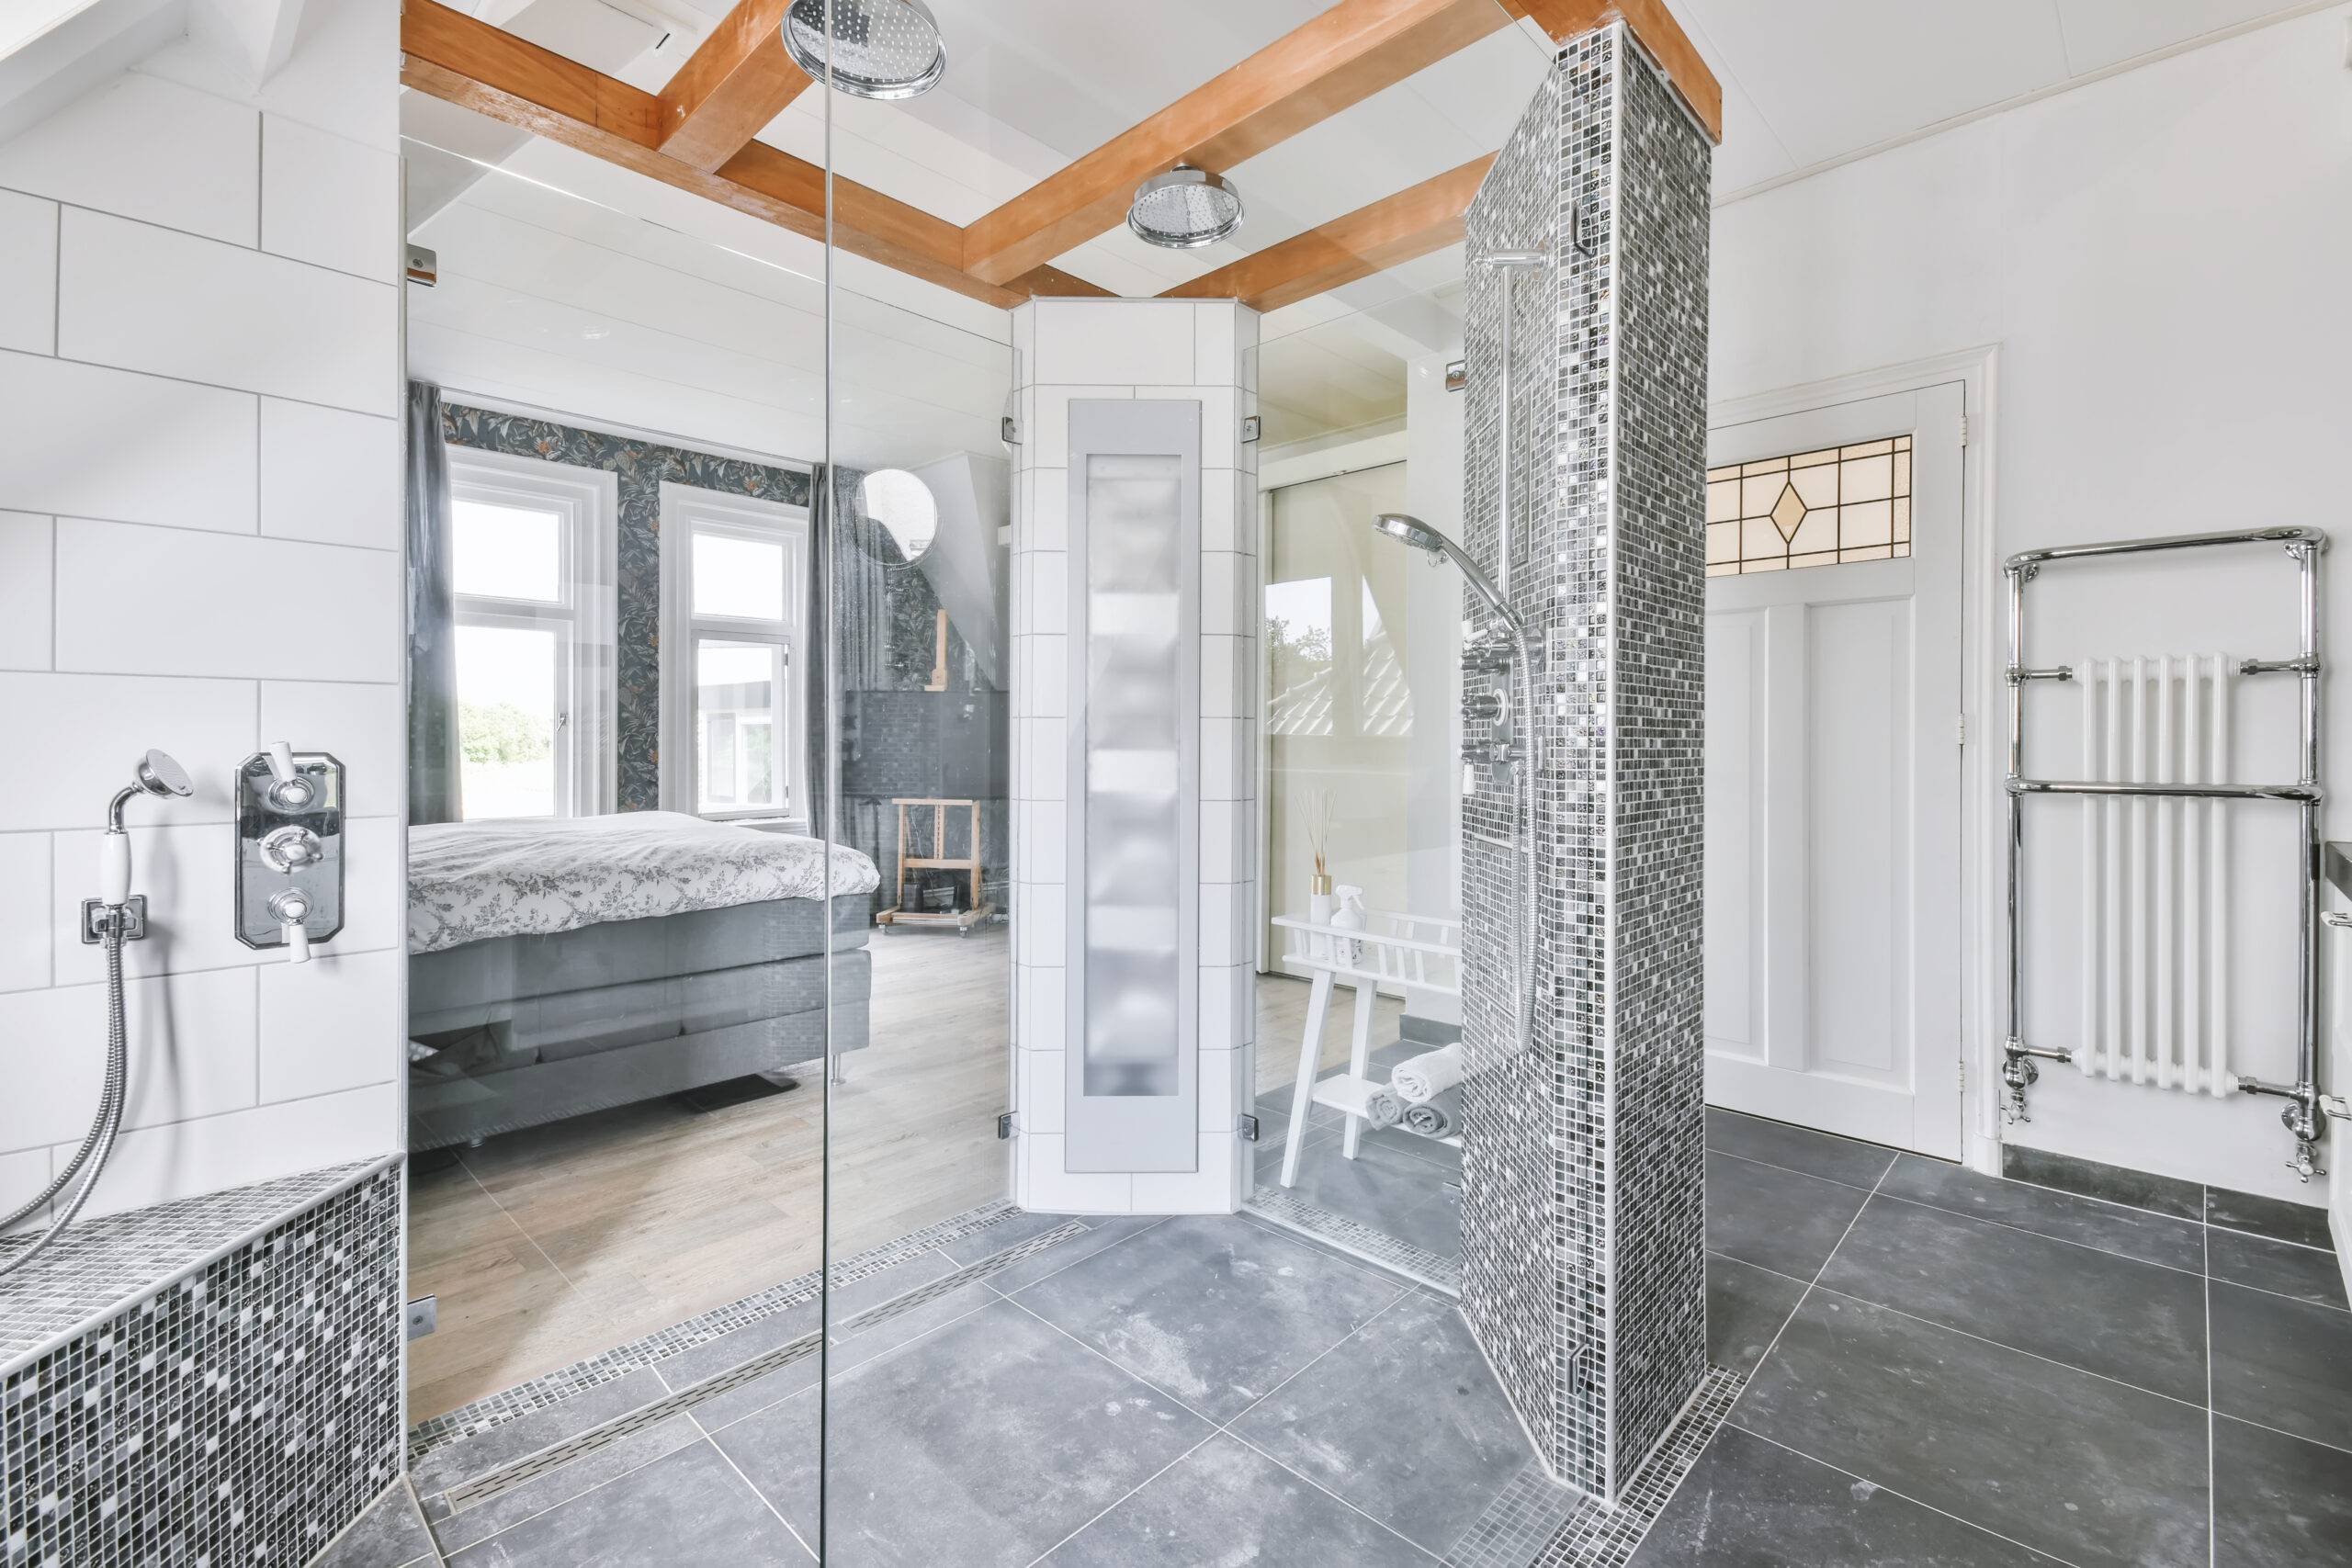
x=2301 y=1115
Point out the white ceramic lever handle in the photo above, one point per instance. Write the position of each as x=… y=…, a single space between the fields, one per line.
x=288 y=789
x=114 y=867
x=291 y=908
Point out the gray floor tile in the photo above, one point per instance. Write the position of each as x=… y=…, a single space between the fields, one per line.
x=2304 y=1272
x=2134 y=1232
x=457 y=1531
x=852 y=1344
x=985 y=1443
x=1403 y=1421
x=2115 y=1316
x=1327 y=1249
x=1011 y=1231
x=1102 y=1233
x=733 y=1348
x=1213 y=1310
x=1750 y=1503
x=2304 y=1224
x=2278 y=1499
x=1395 y=1194
x=2088 y=1469
x=2137 y=1188
x=2283 y=1363
x=390 y=1534
x=1228 y=1505
x=1824 y=1154
x=689 y=1507
x=469 y=1457
x=1746 y=1306
x=1776 y=1218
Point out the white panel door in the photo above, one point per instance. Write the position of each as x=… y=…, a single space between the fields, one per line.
x=1832 y=770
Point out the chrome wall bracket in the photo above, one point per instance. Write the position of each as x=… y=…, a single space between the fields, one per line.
x=99 y=916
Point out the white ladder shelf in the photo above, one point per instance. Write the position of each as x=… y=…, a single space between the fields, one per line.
x=1416 y=950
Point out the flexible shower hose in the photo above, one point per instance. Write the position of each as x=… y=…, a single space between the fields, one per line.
x=99 y=1143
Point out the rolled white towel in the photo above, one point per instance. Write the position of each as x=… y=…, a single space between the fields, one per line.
x=1437 y=1118
x=1383 y=1108
x=1419 y=1080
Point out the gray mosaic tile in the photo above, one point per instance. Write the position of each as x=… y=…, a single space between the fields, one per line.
x=1585 y=1272
x=246 y=1410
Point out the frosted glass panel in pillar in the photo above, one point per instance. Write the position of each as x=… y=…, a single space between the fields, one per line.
x=1132 y=801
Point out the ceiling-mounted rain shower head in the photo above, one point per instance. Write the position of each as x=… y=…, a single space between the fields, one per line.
x=880 y=49
x=1185 y=208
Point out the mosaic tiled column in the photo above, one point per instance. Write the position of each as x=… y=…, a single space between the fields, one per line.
x=1584 y=1273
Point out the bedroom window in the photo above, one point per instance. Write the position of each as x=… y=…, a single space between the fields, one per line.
x=735 y=585
x=533 y=569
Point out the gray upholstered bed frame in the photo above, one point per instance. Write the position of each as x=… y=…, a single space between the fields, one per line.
x=520 y=1031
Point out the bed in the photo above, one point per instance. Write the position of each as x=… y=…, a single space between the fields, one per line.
x=559 y=967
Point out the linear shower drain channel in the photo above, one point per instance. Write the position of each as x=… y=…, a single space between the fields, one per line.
x=495 y=1483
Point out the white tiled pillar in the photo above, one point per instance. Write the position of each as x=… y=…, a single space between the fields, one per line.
x=1186 y=350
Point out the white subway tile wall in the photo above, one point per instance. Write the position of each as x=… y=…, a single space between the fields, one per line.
x=1067 y=349
x=200 y=551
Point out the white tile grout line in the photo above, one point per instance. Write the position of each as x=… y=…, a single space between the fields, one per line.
x=2212 y=1508
x=728 y=1459
x=2201 y=1226
x=1749 y=1432
x=1226 y=1429
x=1814 y=1284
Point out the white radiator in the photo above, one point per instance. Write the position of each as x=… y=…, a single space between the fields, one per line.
x=2155 y=996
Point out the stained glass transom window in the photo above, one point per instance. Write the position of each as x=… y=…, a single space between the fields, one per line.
x=1841 y=503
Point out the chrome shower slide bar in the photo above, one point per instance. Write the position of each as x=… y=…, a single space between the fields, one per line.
x=2302 y=1117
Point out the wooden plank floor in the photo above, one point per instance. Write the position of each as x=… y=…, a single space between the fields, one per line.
x=554 y=1244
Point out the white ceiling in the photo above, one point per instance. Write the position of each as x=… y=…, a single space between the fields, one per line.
x=1034 y=83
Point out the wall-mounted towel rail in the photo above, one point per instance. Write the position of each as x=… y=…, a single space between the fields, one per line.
x=2302 y=1116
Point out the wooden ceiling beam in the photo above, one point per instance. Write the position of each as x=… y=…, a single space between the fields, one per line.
x=1658 y=32
x=477 y=66
x=739 y=80
x=1413 y=222
x=1338 y=59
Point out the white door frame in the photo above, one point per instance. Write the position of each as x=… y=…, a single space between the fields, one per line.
x=1980 y=650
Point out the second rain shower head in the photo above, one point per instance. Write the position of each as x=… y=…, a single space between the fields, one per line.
x=878 y=49
x=1185 y=208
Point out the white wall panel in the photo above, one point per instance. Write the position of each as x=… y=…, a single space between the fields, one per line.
x=148 y=149
x=28 y=273
x=145 y=298
x=191 y=466
x=330 y=475
x=132 y=599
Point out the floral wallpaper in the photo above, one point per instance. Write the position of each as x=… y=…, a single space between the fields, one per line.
x=640 y=468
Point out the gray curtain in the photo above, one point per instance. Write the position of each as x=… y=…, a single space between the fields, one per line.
x=850 y=652
x=433 y=771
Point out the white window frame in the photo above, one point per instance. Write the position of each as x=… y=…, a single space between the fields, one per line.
x=685 y=509
x=586 y=619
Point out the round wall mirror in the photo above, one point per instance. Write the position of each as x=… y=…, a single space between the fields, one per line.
x=905 y=508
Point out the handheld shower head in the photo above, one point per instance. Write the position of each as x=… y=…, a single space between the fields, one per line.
x=158 y=773
x=1412 y=531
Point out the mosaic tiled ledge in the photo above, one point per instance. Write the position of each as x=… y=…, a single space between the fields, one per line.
x=102 y=1267
x=553 y=1388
